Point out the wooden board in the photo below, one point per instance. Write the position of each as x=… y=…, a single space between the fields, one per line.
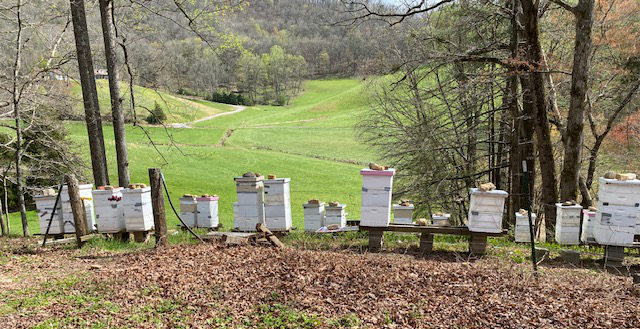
x=454 y=230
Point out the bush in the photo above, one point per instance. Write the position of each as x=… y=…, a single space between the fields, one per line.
x=228 y=98
x=157 y=115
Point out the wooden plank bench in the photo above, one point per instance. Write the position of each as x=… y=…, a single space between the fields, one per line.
x=477 y=243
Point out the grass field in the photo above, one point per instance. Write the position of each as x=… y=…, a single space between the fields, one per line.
x=177 y=109
x=312 y=141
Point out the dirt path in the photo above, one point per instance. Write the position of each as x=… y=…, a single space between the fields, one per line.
x=237 y=109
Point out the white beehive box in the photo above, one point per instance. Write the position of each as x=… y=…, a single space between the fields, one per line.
x=440 y=220
x=638 y=224
x=377 y=186
x=314 y=216
x=588 y=224
x=109 y=210
x=403 y=214
x=336 y=215
x=568 y=216
x=277 y=199
x=138 y=210
x=45 y=205
x=522 y=233
x=568 y=224
x=86 y=193
x=617 y=192
x=249 y=210
x=207 y=208
x=485 y=210
x=189 y=210
x=615 y=225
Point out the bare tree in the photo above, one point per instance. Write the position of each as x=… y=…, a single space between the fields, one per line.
x=89 y=94
x=109 y=35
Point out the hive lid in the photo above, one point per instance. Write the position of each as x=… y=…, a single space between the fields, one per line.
x=403 y=207
x=443 y=216
x=533 y=215
x=134 y=190
x=496 y=193
x=371 y=172
x=277 y=180
x=575 y=206
x=339 y=206
x=207 y=198
x=619 y=182
x=111 y=191
x=242 y=179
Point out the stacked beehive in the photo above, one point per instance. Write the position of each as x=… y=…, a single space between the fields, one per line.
x=588 y=223
x=45 y=204
x=568 y=223
x=189 y=210
x=138 y=210
x=249 y=210
x=618 y=201
x=486 y=209
x=522 y=233
x=277 y=204
x=377 y=185
x=207 y=207
x=109 y=210
x=335 y=214
x=440 y=219
x=314 y=216
x=403 y=212
x=85 y=191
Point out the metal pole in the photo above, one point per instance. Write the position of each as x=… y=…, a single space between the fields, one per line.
x=525 y=173
x=53 y=213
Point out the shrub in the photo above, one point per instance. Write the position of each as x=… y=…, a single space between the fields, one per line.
x=157 y=115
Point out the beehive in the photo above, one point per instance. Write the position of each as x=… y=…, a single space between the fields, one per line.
x=522 y=233
x=377 y=186
x=86 y=193
x=138 y=210
x=109 y=210
x=277 y=204
x=403 y=214
x=189 y=210
x=440 y=220
x=336 y=215
x=314 y=216
x=615 y=225
x=588 y=223
x=44 y=205
x=485 y=210
x=616 y=192
x=568 y=224
x=207 y=211
x=249 y=210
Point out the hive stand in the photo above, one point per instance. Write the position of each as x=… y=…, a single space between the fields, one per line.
x=477 y=241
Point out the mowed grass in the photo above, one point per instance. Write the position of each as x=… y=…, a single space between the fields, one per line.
x=303 y=141
x=177 y=109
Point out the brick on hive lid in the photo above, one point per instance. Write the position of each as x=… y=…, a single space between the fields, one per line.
x=486 y=187
x=422 y=222
x=610 y=175
x=272 y=176
x=334 y=203
x=313 y=201
x=48 y=192
x=375 y=166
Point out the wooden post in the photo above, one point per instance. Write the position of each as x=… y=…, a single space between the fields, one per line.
x=613 y=256
x=478 y=244
x=375 y=239
x=79 y=215
x=157 y=200
x=426 y=243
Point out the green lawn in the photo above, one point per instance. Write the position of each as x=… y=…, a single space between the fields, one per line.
x=177 y=109
x=312 y=141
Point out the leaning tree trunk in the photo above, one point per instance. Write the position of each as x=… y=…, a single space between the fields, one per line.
x=577 y=105
x=89 y=94
x=538 y=93
x=108 y=33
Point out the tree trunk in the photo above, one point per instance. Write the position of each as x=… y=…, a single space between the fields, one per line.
x=577 y=105
x=6 y=204
x=77 y=207
x=2 y=226
x=15 y=107
x=538 y=98
x=108 y=33
x=89 y=94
